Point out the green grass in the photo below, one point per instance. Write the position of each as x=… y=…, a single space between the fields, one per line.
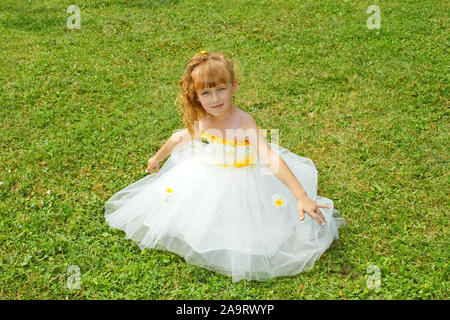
x=82 y=110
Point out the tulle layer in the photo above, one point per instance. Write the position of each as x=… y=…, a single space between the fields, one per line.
x=239 y=221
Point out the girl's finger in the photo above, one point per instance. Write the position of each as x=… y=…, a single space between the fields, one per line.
x=316 y=217
x=321 y=215
x=302 y=215
x=321 y=205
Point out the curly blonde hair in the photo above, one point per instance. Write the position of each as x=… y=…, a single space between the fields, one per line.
x=204 y=70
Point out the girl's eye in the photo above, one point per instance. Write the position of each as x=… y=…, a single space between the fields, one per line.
x=206 y=92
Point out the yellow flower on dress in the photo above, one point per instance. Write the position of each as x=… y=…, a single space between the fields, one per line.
x=278 y=200
x=166 y=193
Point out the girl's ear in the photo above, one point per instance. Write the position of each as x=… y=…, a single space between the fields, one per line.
x=235 y=86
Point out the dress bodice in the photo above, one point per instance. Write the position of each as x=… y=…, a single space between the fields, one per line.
x=228 y=153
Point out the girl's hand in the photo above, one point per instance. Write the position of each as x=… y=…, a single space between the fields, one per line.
x=308 y=205
x=152 y=164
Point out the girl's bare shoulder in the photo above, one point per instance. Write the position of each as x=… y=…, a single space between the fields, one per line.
x=181 y=135
x=247 y=121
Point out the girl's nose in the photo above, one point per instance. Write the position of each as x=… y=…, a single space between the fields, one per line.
x=215 y=97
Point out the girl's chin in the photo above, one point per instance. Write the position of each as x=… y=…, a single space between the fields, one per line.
x=216 y=110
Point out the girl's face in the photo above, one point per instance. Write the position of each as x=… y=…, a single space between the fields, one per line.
x=217 y=100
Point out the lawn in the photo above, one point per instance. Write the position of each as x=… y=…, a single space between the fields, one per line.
x=82 y=110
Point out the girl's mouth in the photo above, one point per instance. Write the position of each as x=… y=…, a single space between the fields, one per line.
x=218 y=106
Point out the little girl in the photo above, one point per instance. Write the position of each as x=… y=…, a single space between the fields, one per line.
x=226 y=199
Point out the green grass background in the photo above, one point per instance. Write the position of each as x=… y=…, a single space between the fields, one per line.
x=83 y=109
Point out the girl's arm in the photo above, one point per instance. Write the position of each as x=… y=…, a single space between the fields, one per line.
x=176 y=140
x=279 y=167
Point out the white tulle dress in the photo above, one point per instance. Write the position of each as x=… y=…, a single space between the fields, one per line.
x=216 y=204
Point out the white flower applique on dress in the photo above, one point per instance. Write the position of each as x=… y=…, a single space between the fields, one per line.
x=166 y=193
x=278 y=200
